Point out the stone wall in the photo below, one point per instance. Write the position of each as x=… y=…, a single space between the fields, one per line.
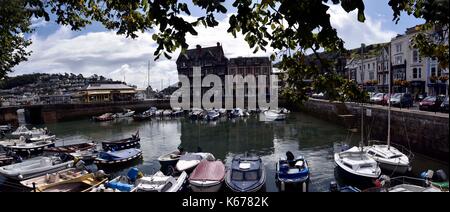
x=422 y=132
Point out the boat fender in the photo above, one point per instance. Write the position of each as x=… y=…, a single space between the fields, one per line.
x=20 y=177
x=334 y=186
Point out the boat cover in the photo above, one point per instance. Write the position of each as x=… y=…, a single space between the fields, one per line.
x=121 y=154
x=208 y=170
x=188 y=157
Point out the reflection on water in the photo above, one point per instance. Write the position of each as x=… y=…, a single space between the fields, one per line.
x=301 y=134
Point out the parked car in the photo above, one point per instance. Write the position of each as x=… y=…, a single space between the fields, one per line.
x=431 y=103
x=401 y=100
x=377 y=98
x=444 y=105
x=421 y=97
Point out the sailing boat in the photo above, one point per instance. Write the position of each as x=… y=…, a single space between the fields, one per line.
x=388 y=157
x=356 y=163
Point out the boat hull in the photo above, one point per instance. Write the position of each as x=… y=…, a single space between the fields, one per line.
x=28 y=174
x=199 y=186
x=102 y=162
x=131 y=143
x=394 y=168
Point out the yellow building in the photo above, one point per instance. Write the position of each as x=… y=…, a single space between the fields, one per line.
x=108 y=93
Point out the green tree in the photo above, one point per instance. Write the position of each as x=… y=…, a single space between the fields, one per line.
x=290 y=27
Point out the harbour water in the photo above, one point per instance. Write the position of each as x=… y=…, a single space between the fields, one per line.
x=301 y=134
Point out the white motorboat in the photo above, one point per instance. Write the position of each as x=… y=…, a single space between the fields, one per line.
x=26 y=149
x=189 y=161
x=357 y=164
x=160 y=183
x=389 y=158
x=42 y=138
x=34 y=167
x=167 y=113
x=208 y=176
x=24 y=131
x=273 y=115
x=124 y=114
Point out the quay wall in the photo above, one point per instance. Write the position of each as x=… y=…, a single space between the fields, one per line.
x=422 y=132
x=60 y=112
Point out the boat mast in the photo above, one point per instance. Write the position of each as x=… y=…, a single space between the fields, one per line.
x=148 y=79
x=389 y=103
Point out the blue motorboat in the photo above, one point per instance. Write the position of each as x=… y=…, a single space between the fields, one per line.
x=293 y=172
x=118 y=157
x=246 y=174
x=212 y=115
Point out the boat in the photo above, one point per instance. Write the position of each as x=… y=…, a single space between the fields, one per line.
x=71 y=148
x=236 y=112
x=334 y=187
x=212 y=115
x=274 y=115
x=221 y=111
x=177 y=111
x=159 y=112
x=189 y=161
x=41 y=138
x=438 y=179
x=87 y=156
x=34 y=167
x=246 y=174
x=389 y=158
x=5 y=128
x=104 y=117
x=292 y=171
x=126 y=113
x=167 y=113
x=51 y=178
x=126 y=143
x=146 y=115
x=6 y=159
x=118 y=157
x=27 y=149
x=402 y=184
x=24 y=131
x=357 y=164
x=196 y=114
x=83 y=183
x=208 y=176
x=161 y=183
x=170 y=159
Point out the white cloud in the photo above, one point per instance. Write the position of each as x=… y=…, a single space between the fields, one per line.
x=354 y=32
x=115 y=56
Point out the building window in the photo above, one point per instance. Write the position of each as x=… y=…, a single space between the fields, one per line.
x=371 y=76
x=439 y=72
x=433 y=71
x=420 y=72
x=398 y=60
x=398 y=47
x=415 y=56
x=368 y=66
x=415 y=73
x=373 y=65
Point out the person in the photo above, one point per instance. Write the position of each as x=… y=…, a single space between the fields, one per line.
x=290 y=158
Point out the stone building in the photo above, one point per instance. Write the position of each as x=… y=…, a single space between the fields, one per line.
x=210 y=60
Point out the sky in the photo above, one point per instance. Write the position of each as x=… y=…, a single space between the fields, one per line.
x=95 y=50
